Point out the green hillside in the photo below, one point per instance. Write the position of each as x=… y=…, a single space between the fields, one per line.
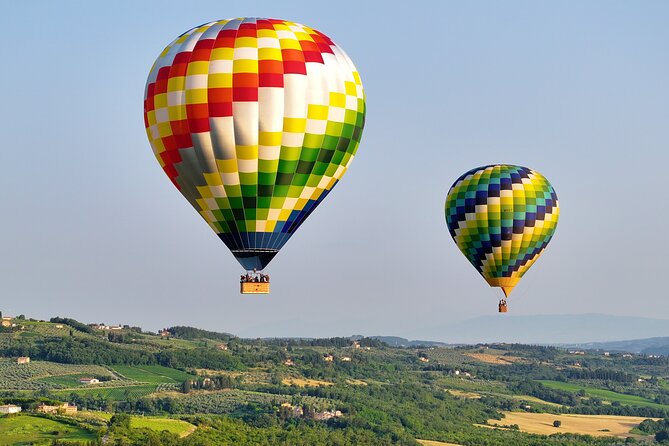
x=216 y=389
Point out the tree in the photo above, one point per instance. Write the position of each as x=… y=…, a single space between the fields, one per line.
x=662 y=436
x=557 y=423
x=120 y=421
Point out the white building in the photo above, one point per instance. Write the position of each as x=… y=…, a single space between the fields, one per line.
x=10 y=408
x=89 y=380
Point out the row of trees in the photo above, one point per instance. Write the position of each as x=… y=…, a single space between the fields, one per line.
x=75 y=350
x=601 y=374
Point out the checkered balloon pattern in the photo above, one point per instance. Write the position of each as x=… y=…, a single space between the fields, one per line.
x=502 y=217
x=254 y=121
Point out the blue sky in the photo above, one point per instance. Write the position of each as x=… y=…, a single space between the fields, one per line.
x=93 y=229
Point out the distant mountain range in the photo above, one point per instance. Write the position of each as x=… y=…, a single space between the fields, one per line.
x=649 y=346
x=582 y=331
x=550 y=329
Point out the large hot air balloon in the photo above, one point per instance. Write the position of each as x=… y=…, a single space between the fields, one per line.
x=254 y=121
x=502 y=217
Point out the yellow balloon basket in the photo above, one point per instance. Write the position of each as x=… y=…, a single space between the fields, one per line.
x=254 y=287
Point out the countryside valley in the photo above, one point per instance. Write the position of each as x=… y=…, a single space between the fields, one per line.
x=64 y=382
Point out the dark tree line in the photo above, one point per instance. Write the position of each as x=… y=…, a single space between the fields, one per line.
x=602 y=374
x=193 y=333
x=97 y=351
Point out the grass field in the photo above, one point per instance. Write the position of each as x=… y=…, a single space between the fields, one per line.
x=595 y=425
x=631 y=400
x=27 y=429
x=154 y=374
x=178 y=427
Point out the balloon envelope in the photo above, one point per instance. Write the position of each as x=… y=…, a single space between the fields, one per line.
x=502 y=217
x=254 y=121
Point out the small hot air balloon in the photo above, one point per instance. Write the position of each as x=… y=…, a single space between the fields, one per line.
x=502 y=217
x=254 y=121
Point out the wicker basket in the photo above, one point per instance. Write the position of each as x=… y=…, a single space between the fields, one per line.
x=254 y=287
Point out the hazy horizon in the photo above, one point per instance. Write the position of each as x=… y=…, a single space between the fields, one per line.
x=94 y=230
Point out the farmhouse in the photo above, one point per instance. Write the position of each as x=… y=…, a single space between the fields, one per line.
x=105 y=327
x=288 y=362
x=6 y=323
x=223 y=347
x=10 y=408
x=326 y=415
x=346 y=359
x=89 y=380
x=328 y=358
x=295 y=411
x=59 y=325
x=64 y=408
x=23 y=360
x=423 y=359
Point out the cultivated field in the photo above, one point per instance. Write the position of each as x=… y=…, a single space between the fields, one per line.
x=113 y=393
x=533 y=399
x=154 y=374
x=464 y=394
x=492 y=358
x=305 y=382
x=435 y=443
x=606 y=395
x=595 y=425
x=46 y=375
x=255 y=375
